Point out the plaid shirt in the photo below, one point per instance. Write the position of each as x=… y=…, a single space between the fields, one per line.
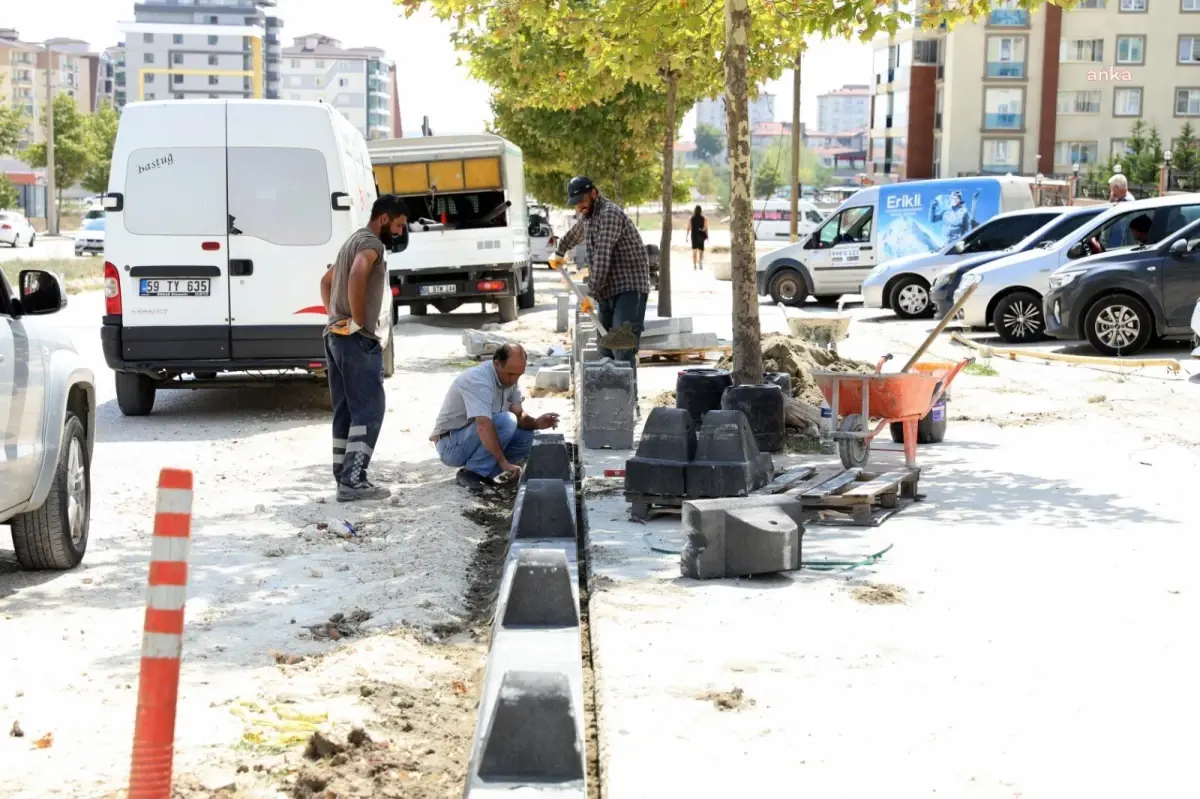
x=617 y=257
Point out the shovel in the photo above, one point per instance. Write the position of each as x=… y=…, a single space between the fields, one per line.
x=621 y=338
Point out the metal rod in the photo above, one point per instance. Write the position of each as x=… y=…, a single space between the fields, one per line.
x=51 y=183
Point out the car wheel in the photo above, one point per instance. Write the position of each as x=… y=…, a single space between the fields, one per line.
x=55 y=535
x=508 y=309
x=788 y=287
x=135 y=394
x=1119 y=325
x=418 y=309
x=910 y=298
x=1018 y=317
x=528 y=298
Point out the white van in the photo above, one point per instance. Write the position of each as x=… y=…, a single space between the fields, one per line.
x=880 y=223
x=772 y=219
x=222 y=215
x=468 y=222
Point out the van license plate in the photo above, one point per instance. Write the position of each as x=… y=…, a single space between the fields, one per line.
x=195 y=287
x=443 y=288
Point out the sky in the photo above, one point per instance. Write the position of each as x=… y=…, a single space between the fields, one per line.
x=431 y=82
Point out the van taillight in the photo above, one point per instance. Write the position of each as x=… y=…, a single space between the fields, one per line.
x=112 y=290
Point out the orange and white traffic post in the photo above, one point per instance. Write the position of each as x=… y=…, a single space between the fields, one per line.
x=162 y=639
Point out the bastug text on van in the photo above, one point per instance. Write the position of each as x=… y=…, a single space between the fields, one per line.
x=157 y=163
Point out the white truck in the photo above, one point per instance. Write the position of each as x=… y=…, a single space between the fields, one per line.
x=468 y=238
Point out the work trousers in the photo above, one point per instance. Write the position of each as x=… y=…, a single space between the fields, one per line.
x=463 y=447
x=628 y=306
x=355 y=367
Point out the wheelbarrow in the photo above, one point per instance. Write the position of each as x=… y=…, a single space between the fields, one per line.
x=903 y=397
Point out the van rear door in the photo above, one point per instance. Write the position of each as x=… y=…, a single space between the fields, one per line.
x=283 y=170
x=169 y=242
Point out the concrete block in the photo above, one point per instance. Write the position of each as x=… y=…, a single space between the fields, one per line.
x=564 y=312
x=543 y=510
x=739 y=536
x=591 y=354
x=679 y=341
x=609 y=405
x=667 y=444
x=548 y=459
x=664 y=327
x=533 y=736
x=479 y=343
x=556 y=378
x=539 y=591
x=727 y=462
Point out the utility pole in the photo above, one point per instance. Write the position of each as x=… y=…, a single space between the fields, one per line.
x=794 y=225
x=51 y=188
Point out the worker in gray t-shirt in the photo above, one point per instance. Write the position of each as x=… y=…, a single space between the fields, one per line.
x=353 y=292
x=482 y=426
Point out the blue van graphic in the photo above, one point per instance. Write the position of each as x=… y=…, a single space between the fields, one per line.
x=925 y=216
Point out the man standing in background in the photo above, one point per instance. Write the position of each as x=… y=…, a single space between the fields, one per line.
x=353 y=291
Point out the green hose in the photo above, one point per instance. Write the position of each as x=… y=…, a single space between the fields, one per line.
x=821 y=566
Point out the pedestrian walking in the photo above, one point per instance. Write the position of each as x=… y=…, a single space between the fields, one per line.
x=698 y=234
x=353 y=291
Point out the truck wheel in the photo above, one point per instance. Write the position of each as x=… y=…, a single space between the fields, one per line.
x=527 y=299
x=508 y=309
x=55 y=535
x=418 y=309
x=135 y=394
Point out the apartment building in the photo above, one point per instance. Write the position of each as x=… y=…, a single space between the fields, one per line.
x=847 y=108
x=360 y=82
x=23 y=77
x=1025 y=92
x=202 y=49
x=711 y=112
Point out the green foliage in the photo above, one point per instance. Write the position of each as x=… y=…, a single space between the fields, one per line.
x=103 y=130
x=773 y=168
x=12 y=126
x=1144 y=157
x=1185 y=150
x=706 y=181
x=10 y=198
x=74 y=152
x=710 y=142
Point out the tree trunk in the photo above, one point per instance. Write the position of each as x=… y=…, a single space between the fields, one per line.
x=747 y=335
x=794 y=226
x=664 y=252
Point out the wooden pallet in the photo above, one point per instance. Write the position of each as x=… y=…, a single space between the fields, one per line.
x=646 y=506
x=861 y=498
x=698 y=355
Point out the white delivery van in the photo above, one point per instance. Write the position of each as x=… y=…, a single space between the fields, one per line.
x=468 y=222
x=881 y=223
x=222 y=215
x=772 y=219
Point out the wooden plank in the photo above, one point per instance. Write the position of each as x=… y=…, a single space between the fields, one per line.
x=789 y=479
x=884 y=483
x=829 y=486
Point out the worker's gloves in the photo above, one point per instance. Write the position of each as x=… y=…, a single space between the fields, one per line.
x=587 y=306
x=557 y=262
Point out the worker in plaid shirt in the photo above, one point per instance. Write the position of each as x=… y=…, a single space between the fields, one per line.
x=618 y=268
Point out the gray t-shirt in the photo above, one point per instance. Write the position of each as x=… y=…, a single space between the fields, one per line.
x=476 y=392
x=377 y=283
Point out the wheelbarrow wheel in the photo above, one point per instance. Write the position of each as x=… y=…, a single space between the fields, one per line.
x=853 y=451
x=930 y=430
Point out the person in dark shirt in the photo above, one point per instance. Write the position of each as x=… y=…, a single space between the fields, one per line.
x=698 y=234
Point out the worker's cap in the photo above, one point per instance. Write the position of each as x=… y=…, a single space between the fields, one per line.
x=577 y=188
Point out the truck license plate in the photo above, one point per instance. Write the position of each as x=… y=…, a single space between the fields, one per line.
x=184 y=287
x=441 y=288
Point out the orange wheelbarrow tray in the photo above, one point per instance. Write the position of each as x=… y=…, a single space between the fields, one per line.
x=904 y=397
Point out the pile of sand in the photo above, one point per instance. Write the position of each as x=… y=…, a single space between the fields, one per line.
x=799 y=359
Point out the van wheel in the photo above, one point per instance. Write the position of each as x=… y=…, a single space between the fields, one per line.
x=55 y=535
x=527 y=299
x=910 y=298
x=1018 y=317
x=135 y=394
x=788 y=287
x=508 y=309
x=1119 y=325
x=418 y=309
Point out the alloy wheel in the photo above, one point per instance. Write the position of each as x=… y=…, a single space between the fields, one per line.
x=1118 y=326
x=1023 y=319
x=913 y=299
x=77 y=491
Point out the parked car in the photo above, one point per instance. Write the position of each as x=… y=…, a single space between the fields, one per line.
x=90 y=238
x=1121 y=301
x=902 y=284
x=1196 y=330
x=48 y=407
x=948 y=280
x=1010 y=291
x=542 y=240
x=15 y=230
x=881 y=223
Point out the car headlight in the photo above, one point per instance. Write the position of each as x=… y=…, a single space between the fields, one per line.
x=970 y=280
x=1061 y=279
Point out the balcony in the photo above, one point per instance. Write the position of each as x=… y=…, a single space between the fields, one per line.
x=1008 y=18
x=1000 y=169
x=1005 y=69
x=1002 y=121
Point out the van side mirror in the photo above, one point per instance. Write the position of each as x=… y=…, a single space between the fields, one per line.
x=41 y=293
x=959 y=247
x=1193 y=245
x=1179 y=247
x=1077 y=251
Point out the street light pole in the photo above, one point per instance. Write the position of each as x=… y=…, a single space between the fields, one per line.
x=51 y=187
x=794 y=225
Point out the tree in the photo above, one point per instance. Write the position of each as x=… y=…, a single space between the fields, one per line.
x=777 y=159
x=1185 y=151
x=706 y=181
x=12 y=127
x=10 y=198
x=768 y=178
x=74 y=150
x=710 y=142
x=103 y=125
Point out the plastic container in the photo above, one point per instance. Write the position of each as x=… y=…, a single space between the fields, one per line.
x=781 y=379
x=699 y=391
x=763 y=407
x=825 y=429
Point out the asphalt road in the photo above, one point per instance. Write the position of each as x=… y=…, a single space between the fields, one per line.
x=43 y=249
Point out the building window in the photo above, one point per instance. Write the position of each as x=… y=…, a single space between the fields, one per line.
x=1081 y=50
x=213 y=80
x=1133 y=6
x=213 y=21
x=176 y=58
x=343 y=83
x=320 y=83
x=1187 y=102
x=925 y=51
x=320 y=65
x=1008 y=14
x=1127 y=102
x=1001 y=156
x=1067 y=153
x=1002 y=109
x=1131 y=49
x=148 y=38
x=1189 y=5
x=1006 y=57
x=214 y=97
x=177 y=38
x=149 y=77
x=212 y=60
x=212 y=41
x=1120 y=147
x=1093 y=4
x=177 y=79
x=295 y=63
x=1189 y=49
x=148 y=58
x=178 y=95
x=1079 y=102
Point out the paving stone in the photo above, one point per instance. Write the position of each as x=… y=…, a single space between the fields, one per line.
x=479 y=343
x=543 y=510
x=609 y=408
x=539 y=594
x=738 y=536
x=563 y=302
x=727 y=462
x=663 y=327
x=549 y=458
x=557 y=378
x=679 y=341
x=533 y=736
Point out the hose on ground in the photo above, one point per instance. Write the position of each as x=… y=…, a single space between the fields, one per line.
x=813 y=565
